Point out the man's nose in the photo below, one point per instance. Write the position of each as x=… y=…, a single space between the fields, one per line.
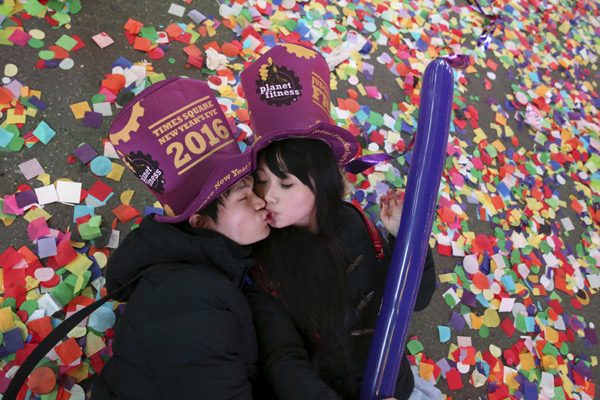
x=259 y=203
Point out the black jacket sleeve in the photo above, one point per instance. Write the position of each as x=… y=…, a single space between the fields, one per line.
x=284 y=359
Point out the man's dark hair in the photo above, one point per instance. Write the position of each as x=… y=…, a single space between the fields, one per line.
x=212 y=209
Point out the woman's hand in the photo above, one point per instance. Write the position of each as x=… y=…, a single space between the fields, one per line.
x=391 y=210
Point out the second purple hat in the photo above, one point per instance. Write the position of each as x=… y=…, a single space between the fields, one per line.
x=287 y=92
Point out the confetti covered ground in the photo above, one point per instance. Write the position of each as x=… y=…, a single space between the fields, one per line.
x=516 y=232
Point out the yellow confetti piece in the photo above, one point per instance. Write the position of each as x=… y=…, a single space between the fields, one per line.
x=491 y=318
x=37 y=213
x=7 y=221
x=79 y=283
x=551 y=334
x=77 y=332
x=565 y=27
x=476 y=321
x=31 y=112
x=14 y=119
x=6 y=319
x=361 y=89
x=498 y=145
x=126 y=196
x=453 y=348
x=44 y=178
x=93 y=344
x=79 y=109
x=425 y=370
x=79 y=265
x=445 y=278
x=116 y=172
x=479 y=135
x=100 y=258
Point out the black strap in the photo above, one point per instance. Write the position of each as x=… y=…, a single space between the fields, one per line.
x=56 y=335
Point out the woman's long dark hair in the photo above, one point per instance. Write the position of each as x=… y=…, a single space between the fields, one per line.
x=307 y=269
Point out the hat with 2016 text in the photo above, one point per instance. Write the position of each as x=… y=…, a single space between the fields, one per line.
x=287 y=92
x=175 y=138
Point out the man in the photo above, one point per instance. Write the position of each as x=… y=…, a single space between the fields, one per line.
x=187 y=330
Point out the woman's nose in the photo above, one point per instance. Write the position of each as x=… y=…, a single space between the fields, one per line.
x=269 y=195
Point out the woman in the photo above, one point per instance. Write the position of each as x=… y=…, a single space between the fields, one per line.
x=322 y=266
x=322 y=270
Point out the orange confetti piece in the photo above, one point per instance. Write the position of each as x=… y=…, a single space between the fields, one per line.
x=132 y=26
x=59 y=52
x=500 y=119
x=491 y=65
x=5 y=95
x=192 y=50
x=230 y=50
x=42 y=380
x=142 y=44
x=352 y=105
x=68 y=351
x=114 y=82
x=480 y=281
x=174 y=30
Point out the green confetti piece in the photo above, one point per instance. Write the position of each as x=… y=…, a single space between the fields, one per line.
x=149 y=32
x=9 y=302
x=450 y=300
x=484 y=331
x=74 y=6
x=545 y=247
x=375 y=119
x=35 y=43
x=464 y=309
x=520 y=323
x=63 y=293
x=33 y=7
x=290 y=24
x=98 y=98
x=157 y=77
x=55 y=5
x=62 y=18
x=46 y=54
x=559 y=393
x=3 y=215
x=66 y=42
x=16 y=144
x=414 y=346
x=29 y=306
x=171 y=60
x=246 y=14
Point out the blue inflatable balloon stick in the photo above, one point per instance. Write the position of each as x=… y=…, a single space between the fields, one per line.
x=413 y=236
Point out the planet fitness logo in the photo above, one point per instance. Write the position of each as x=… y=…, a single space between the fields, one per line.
x=277 y=85
x=147 y=169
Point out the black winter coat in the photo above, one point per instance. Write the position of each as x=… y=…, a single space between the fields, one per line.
x=187 y=330
x=286 y=362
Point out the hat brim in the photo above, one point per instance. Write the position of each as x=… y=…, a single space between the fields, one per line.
x=224 y=176
x=342 y=142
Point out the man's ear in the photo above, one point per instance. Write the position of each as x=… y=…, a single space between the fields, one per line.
x=199 y=221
